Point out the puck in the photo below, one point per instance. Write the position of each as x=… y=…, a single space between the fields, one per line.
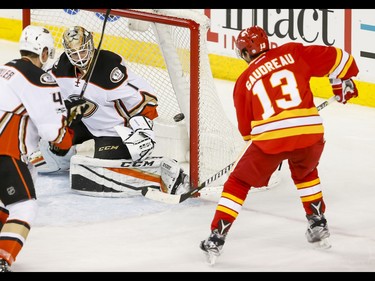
x=179 y=117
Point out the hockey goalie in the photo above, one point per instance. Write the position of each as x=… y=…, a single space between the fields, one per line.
x=120 y=107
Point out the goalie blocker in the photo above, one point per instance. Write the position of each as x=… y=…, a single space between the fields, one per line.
x=126 y=178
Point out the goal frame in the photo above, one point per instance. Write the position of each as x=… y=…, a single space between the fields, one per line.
x=194 y=73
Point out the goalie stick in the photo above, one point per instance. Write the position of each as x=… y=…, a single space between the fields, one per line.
x=92 y=66
x=91 y=70
x=157 y=195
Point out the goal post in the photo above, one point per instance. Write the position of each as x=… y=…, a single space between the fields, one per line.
x=167 y=47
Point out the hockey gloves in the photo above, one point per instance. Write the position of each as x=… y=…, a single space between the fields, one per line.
x=139 y=139
x=63 y=147
x=76 y=110
x=344 y=90
x=57 y=150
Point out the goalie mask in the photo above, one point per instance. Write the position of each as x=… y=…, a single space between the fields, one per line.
x=79 y=46
x=35 y=39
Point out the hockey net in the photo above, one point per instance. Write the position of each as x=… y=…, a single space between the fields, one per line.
x=169 y=49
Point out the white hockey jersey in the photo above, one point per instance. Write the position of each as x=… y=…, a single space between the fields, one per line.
x=31 y=108
x=114 y=93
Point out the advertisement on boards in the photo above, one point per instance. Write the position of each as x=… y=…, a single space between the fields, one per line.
x=350 y=29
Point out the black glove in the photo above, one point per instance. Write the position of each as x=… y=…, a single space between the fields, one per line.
x=57 y=150
x=76 y=110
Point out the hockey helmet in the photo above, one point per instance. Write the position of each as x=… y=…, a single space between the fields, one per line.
x=35 y=38
x=253 y=39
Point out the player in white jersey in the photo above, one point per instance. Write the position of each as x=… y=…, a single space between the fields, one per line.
x=121 y=110
x=31 y=108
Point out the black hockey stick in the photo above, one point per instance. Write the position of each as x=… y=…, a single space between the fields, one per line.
x=92 y=66
x=157 y=195
x=91 y=70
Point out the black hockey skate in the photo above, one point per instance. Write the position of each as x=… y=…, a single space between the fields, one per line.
x=4 y=267
x=317 y=231
x=213 y=245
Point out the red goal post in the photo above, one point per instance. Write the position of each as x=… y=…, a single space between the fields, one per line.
x=167 y=47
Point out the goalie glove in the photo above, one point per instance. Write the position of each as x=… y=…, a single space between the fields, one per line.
x=344 y=90
x=76 y=110
x=140 y=139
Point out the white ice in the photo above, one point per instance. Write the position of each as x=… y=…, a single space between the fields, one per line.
x=78 y=233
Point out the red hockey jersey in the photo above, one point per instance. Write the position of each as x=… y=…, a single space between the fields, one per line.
x=273 y=100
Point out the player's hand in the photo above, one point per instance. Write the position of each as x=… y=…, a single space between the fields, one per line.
x=62 y=148
x=76 y=110
x=344 y=90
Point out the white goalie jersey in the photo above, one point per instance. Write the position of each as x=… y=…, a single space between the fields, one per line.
x=114 y=94
x=116 y=98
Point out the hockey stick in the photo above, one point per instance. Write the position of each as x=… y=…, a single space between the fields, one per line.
x=156 y=195
x=92 y=66
x=91 y=70
x=327 y=102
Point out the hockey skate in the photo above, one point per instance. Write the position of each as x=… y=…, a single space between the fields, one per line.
x=213 y=246
x=317 y=231
x=4 y=267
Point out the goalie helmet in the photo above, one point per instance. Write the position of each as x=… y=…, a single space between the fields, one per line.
x=254 y=40
x=78 y=45
x=34 y=39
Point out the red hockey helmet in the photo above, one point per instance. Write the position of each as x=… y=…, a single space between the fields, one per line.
x=253 y=39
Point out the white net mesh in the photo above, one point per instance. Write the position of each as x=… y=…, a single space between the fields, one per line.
x=162 y=53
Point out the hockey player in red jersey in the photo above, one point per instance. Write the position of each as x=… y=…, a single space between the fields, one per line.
x=122 y=107
x=31 y=108
x=276 y=113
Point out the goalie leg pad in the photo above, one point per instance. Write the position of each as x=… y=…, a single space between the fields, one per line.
x=125 y=178
x=113 y=178
x=174 y=180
